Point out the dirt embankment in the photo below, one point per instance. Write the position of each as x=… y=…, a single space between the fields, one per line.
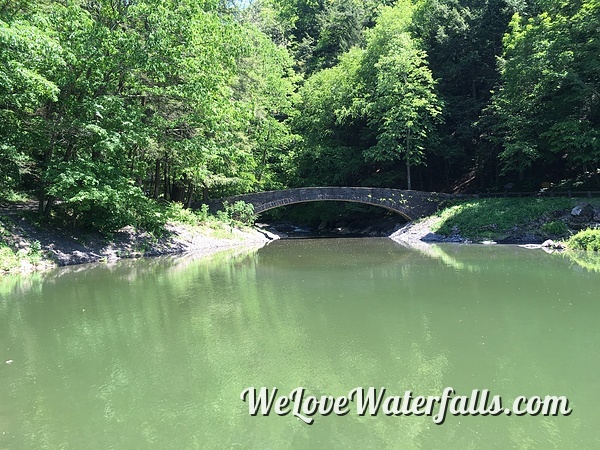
x=62 y=247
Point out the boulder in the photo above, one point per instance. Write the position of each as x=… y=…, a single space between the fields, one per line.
x=553 y=245
x=584 y=212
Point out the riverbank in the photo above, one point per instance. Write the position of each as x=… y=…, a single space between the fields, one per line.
x=526 y=221
x=26 y=247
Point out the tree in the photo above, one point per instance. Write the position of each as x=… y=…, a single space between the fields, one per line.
x=29 y=57
x=341 y=28
x=406 y=106
x=549 y=102
x=463 y=39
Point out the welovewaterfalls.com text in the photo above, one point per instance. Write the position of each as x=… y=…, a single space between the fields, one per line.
x=373 y=401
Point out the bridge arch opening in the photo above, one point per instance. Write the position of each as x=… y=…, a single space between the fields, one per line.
x=333 y=218
x=356 y=202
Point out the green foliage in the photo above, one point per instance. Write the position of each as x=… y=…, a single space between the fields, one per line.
x=12 y=259
x=8 y=259
x=548 y=106
x=556 y=228
x=341 y=26
x=463 y=40
x=494 y=218
x=376 y=107
x=108 y=108
x=239 y=212
x=588 y=240
x=406 y=107
x=175 y=212
x=105 y=105
x=106 y=208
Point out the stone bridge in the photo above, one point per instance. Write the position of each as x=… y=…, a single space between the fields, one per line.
x=410 y=204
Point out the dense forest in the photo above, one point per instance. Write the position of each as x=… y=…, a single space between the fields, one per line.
x=116 y=105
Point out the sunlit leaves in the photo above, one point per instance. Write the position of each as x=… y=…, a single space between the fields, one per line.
x=549 y=104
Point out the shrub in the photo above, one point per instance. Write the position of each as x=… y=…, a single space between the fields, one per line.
x=11 y=260
x=8 y=259
x=177 y=213
x=585 y=240
x=108 y=208
x=238 y=212
x=555 y=228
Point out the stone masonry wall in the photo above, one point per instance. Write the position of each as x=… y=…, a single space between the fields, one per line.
x=410 y=204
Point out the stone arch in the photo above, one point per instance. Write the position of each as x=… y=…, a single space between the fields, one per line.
x=410 y=204
x=264 y=207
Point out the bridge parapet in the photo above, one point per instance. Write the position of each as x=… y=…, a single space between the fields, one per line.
x=410 y=204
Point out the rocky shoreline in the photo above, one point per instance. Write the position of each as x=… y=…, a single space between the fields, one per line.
x=62 y=247
x=580 y=217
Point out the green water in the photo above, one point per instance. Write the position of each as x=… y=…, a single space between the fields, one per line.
x=155 y=353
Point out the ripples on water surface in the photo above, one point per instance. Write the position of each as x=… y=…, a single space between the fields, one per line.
x=155 y=353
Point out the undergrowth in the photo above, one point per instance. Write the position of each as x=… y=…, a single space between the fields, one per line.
x=497 y=217
x=12 y=258
x=588 y=240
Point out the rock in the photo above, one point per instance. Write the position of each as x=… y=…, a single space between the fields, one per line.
x=584 y=212
x=530 y=246
x=322 y=225
x=553 y=245
x=488 y=242
x=398 y=226
x=432 y=237
x=509 y=186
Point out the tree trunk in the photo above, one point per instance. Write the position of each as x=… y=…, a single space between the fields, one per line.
x=43 y=185
x=48 y=207
x=156 y=179
x=409 y=184
x=166 y=180
x=447 y=174
x=408 y=160
x=190 y=194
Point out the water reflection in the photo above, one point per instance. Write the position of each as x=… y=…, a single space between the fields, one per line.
x=155 y=353
x=587 y=260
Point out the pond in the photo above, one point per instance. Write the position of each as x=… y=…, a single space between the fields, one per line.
x=155 y=353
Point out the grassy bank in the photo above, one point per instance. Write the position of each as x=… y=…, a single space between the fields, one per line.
x=509 y=218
